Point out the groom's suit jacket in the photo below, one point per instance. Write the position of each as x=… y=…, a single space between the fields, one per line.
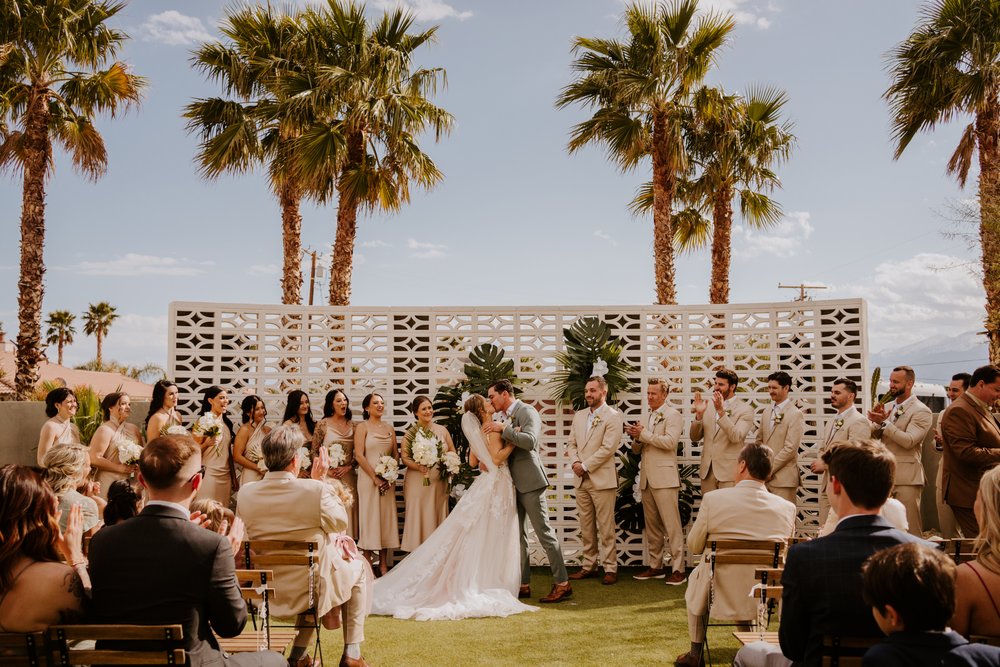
x=523 y=431
x=596 y=449
x=783 y=439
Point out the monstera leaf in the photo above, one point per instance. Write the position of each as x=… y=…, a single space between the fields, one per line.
x=589 y=344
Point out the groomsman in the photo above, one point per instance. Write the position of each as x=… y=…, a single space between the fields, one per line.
x=847 y=424
x=902 y=428
x=946 y=518
x=593 y=443
x=781 y=429
x=724 y=423
x=660 y=483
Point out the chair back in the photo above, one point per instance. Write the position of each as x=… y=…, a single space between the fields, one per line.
x=961 y=550
x=22 y=649
x=141 y=645
x=839 y=651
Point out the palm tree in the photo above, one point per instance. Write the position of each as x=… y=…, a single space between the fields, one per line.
x=60 y=330
x=96 y=322
x=947 y=67
x=53 y=82
x=252 y=125
x=640 y=90
x=366 y=153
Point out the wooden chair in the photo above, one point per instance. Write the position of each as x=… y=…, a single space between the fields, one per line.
x=141 y=645
x=961 y=550
x=846 y=651
x=22 y=649
x=257 y=593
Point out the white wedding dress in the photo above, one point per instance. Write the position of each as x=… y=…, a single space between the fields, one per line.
x=470 y=566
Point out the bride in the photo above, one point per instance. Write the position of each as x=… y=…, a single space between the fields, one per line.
x=470 y=566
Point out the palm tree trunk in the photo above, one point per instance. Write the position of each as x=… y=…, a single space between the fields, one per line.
x=59 y=347
x=100 y=349
x=988 y=138
x=30 y=285
x=291 y=238
x=347 y=230
x=722 y=240
x=664 y=184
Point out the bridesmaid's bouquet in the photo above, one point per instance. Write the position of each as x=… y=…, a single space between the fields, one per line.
x=209 y=426
x=426 y=450
x=338 y=456
x=174 y=429
x=129 y=451
x=305 y=461
x=387 y=469
x=451 y=463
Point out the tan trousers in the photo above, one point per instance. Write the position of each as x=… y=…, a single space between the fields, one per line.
x=786 y=492
x=946 y=518
x=910 y=497
x=710 y=483
x=596 y=510
x=824 y=500
x=663 y=524
x=352 y=619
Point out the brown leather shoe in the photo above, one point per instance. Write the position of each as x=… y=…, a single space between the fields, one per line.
x=352 y=662
x=558 y=593
x=610 y=578
x=650 y=573
x=675 y=579
x=584 y=574
x=524 y=592
x=688 y=660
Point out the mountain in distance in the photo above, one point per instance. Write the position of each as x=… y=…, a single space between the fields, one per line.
x=936 y=359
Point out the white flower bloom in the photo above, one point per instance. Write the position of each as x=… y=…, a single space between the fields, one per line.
x=337 y=455
x=304 y=459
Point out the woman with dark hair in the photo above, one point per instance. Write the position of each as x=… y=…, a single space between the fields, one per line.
x=378 y=526
x=163 y=410
x=124 y=501
x=214 y=434
x=297 y=413
x=36 y=588
x=60 y=406
x=115 y=442
x=246 y=446
x=425 y=491
x=335 y=431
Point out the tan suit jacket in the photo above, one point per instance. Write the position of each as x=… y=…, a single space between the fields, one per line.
x=854 y=427
x=784 y=440
x=724 y=437
x=283 y=507
x=905 y=439
x=658 y=446
x=597 y=449
x=746 y=511
x=971 y=447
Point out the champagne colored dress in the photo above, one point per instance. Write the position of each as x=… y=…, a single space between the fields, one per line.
x=217 y=483
x=350 y=479
x=254 y=453
x=426 y=506
x=107 y=477
x=378 y=525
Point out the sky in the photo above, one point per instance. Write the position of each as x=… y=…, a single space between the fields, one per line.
x=534 y=224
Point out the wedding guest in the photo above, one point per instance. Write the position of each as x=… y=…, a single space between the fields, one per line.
x=60 y=407
x=946 y=518
x=37 y=589
x=593 y=443
x=378 y=525
x=977 y=605
x=337 y=429
x=246 y=444
x=163 y=413
x=66 y=468
x=847 y=424
x=426 y=503
x=781 y=429
x=215 y=449
x=659 y=483
x=298 y=414
x=724 y=423
x=892 y=511
x=114 y=432
x=214 y=516
x=124 y=501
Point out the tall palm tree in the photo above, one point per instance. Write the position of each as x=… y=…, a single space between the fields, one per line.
x=252 y=125
x=96 y=322
x=640 y=90
x=54 y=79
x=950 y=66
x=366 y=152
x=60 y=330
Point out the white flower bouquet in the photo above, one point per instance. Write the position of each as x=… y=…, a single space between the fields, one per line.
x=426 y=450
x=387 y=469
x=338 y=456
x=129 y=451
x=209 y=426
x=451 y=463
x=305 y=461
x=174 y=429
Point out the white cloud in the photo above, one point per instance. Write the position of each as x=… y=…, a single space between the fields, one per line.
x=265 y=269
x=604 y=236
x=783 y=240
x=375 y=244
x=174 y=29
x=422 y=250
x=745 y=12
x=133 y=264
x=425 y=10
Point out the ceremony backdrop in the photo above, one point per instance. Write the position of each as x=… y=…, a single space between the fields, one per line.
x=406 y=352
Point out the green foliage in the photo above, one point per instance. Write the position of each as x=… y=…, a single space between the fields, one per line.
x=587 y=341
x=885 y=398
x=149 y=373
x=88 y=411
x=628 y=511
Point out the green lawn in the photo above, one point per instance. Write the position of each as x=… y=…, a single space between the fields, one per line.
x=630 y=623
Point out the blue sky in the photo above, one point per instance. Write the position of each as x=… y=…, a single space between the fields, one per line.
x=555 y=228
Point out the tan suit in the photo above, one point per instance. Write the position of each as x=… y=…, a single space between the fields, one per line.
x=904 y=436
x=747 y=511
x=724 y=437
x=283 y=507
x=781 y=430
x=853 y=427
x=595 y=491
x=659 y=482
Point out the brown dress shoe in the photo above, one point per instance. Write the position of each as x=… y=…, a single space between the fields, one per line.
x=675 y=579
x=688 y=660
x=650 y=573
x=584 y=574
x=524 y=592
x=610 y=578
x=558 y=593
x=352 y=662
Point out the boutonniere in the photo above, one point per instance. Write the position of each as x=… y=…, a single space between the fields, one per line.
x=837 y=425
x=728 y=412
x=595 y=421
x=778 y=417
x=657 y=418
x=899 y=411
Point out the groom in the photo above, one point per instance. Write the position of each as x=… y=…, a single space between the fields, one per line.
x=522 y=430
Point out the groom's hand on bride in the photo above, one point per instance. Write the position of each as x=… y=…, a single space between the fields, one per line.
x=492 y=427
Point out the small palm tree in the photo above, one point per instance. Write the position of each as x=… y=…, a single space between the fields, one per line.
x=640 y=90
x=60 y=330
x=54 y=80
x=96 y=322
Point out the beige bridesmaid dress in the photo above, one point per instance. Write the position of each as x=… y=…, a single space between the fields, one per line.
x=350 y=479
x=217 y=483
x=426 y=506
x=107 y=477
x=254 y=453
x=378 y=525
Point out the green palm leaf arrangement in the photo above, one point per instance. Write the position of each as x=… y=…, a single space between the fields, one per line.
x=589 y=341
x=628 y=508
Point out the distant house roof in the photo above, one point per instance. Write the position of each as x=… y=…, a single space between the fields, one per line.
x=102 y=383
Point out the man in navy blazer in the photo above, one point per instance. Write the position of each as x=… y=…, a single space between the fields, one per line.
x=822 y=577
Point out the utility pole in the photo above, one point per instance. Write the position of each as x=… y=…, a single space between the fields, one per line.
x=801 y=287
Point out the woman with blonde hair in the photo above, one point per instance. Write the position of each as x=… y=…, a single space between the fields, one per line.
x=66 y=469
x=977 y=586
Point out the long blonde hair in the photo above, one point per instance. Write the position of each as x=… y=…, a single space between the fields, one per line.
x=988 y=542
x=65 y=466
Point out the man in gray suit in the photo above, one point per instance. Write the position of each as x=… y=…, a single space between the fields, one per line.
x=521 y=428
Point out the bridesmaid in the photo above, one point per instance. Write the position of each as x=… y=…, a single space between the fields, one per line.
x=426 y=506
x=215 y=452
x=297 y=413
x=59 y=429
x=246 y=446
x=336 y=428
x=104 y=455
x=162 y=410
x=378 y=526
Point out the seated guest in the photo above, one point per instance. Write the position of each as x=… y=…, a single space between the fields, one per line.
x=214 y=515
x=822 y=577
x=66 y=470
x=124 y=501
x=311 y=511
x=160 y=568
x=36 y=588
x=977 y=608
x=911 y=590
x=746 y=511
x=893 y=511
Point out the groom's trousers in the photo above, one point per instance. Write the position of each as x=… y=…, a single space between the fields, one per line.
x=533 y=506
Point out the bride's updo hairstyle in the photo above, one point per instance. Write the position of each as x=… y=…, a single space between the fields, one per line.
x=476 y=404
